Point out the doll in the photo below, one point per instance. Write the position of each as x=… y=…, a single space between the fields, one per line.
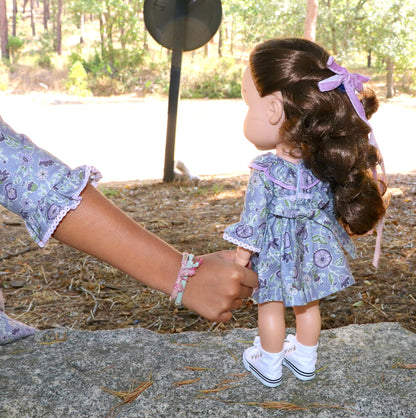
x=305 y=199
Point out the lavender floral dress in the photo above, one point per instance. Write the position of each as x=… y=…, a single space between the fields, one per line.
x=37 y=186
x=288 y=222
x=41 y=190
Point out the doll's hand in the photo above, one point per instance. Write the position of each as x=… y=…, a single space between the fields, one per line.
x=242 y=256
x=218 y=287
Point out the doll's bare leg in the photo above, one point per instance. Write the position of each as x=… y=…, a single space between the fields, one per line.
x=301 y=351
x=271 y=322
x=99 y=228
x=308 y=323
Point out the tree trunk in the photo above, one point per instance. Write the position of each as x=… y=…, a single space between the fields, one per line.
x=310 y=20
x=102 y=37
x=220 y=42
x=110 y=44
x=4 y=33
x=369 y=58
x=334 y=41
x=59 y=28
x=232 y=39
x=32 y=19
x=46 y=14
x=82 y=28
x=14 y=27
x=390 y=85
x=145 y=42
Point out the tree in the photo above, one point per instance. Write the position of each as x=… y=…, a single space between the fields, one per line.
x=339 y=24
x=32 y=19
x=4 y=33
x=14 y=27
x=389 y=32
x=58 y=46
x=248 y=22
x=310 y=20
x=46 y=14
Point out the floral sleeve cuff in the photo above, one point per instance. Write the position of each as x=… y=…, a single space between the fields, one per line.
x=62 y=197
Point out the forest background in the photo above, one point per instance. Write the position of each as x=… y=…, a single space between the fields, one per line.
x=101 y=47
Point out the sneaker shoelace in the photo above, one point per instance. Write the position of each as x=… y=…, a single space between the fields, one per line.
x=289 y=344
x=257 y=345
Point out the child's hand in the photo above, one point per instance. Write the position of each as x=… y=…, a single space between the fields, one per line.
x=218 y=287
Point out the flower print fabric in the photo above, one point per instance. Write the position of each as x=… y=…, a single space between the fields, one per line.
x=10 y=329
x=37 y=186
x=288 y=221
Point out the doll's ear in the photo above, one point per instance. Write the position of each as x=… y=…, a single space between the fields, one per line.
x=275 y=108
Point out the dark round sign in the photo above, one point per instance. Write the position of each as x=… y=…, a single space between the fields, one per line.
x=202 y=20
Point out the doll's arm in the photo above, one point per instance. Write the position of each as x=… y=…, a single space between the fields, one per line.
x=248 y=232
x=99 y=228
x=242 y=256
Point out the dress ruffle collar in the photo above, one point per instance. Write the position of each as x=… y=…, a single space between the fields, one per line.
x=284 y=173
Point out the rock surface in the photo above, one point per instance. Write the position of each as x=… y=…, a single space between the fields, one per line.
x=59 y=373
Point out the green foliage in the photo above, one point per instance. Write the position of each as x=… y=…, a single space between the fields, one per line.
x=104 y=85
x=44 y=61
x=15 y=45
x=218 y=78
x=77 y=82
x=120 y=56
x=45 y=50
x=73 y=58
x=95 y=65
x=150 y=77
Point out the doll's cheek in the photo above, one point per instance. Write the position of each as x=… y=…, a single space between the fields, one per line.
x=255 y=129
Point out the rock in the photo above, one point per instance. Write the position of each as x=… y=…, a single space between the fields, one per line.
x=17 y=284
x=59 y=373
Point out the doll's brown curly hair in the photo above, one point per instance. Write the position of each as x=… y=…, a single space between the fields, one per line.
x=323 y=127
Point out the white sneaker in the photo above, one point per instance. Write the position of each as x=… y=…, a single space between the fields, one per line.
x=266 y=367
x=300 y=359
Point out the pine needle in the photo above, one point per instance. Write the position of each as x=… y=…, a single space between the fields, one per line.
x=130 y=395
x=54 y=339
x=219 y=388
x=186 y=382
x=286 y=406
x=197 y=369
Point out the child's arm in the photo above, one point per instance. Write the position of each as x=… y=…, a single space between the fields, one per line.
x=101 y=229
x=242 y=256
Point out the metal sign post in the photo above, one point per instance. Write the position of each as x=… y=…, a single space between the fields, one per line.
x=175 y=79
x=179 y=25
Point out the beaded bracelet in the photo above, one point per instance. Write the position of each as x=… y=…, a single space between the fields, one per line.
x=188 y=269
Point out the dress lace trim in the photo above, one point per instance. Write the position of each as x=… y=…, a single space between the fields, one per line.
x=92 y=176
x=239 y=243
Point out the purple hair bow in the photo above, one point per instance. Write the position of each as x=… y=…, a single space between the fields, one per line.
x=352 y=82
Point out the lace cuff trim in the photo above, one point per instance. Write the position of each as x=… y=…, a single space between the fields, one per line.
x=239 y=243
x=92 y=176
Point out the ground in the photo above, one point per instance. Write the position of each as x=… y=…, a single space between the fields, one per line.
x=59 y=286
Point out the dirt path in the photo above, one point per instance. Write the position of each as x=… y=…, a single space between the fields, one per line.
x=125 y=137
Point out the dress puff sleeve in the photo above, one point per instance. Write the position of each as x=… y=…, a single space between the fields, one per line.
x=37 y=186
x=249 y=231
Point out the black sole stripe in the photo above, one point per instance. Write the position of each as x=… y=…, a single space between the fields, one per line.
x=262 y=376
x=298 y=371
